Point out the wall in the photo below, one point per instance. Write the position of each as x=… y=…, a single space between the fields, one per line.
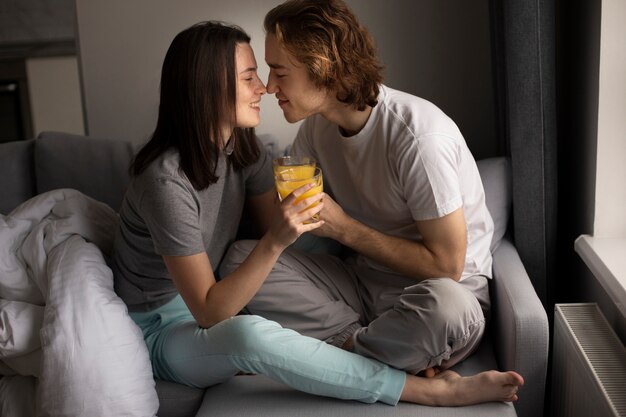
x=439 y=50
x=54 y=91
x=610 y=211
x=578 y=57
x=590 y=86
x=122 y=45
x=38 y=38
x=610 y=179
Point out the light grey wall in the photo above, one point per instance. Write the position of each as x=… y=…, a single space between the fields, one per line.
x=438 y=50
x=121 y=48
x=441 y=51
x=610 y=220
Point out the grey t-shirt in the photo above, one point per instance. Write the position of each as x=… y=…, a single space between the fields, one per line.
x=162 y=214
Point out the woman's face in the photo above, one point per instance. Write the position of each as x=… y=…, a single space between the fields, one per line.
x=250 y=88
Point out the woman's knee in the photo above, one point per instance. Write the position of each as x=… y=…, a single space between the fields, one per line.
x=249 y=333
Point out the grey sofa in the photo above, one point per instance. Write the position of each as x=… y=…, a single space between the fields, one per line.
x=517 y=337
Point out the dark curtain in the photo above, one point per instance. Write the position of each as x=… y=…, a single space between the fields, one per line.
x=524 y=36
x=525 y=59
x=546 y=55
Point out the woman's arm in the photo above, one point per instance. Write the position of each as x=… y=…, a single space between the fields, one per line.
x=210 y=301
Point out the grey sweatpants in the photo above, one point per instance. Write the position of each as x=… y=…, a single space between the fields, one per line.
x=391 y=318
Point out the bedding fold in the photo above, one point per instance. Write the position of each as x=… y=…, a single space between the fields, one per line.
x=57 y=303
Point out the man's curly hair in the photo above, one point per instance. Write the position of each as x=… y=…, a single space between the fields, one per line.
x=338 y=52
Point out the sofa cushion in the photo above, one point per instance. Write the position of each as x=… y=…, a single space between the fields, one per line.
x=177 y=400
x=96 y=167
x=260 y=396
x=16 y=174
x=496 y=176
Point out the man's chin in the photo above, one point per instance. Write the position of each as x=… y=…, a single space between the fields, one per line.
x=291 y=118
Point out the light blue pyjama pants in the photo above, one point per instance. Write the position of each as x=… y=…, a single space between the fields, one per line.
x=183 y=352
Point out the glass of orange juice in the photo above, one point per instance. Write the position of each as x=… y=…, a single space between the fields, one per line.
x=293 y=177
x=304 y=165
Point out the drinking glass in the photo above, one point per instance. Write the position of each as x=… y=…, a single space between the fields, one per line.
x=297 y=163
x=296 y=176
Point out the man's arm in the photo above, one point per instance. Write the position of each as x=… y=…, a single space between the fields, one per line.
x=440 y=254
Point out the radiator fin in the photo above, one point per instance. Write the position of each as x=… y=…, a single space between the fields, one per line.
x=589 y=363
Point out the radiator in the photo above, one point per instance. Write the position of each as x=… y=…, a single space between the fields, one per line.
x=588 y=364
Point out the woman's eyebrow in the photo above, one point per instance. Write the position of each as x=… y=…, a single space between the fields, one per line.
x=248 y=70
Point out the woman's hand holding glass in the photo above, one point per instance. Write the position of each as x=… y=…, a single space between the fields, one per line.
x=299 y=185
x=294 y=213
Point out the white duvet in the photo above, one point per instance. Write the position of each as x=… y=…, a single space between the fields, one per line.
x=60 y=320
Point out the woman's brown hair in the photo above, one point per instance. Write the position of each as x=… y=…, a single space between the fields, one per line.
x=337 y=51
x=197 y=98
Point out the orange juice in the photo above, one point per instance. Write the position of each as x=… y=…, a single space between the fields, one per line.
x=291 y=178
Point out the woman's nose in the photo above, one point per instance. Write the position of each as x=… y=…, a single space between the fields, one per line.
x=261 y=88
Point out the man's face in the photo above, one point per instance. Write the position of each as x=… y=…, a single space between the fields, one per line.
x=297 y=96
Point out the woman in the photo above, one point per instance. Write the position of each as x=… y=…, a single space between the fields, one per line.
x=182 y=209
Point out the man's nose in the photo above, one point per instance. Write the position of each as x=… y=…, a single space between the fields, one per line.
x=271 y=86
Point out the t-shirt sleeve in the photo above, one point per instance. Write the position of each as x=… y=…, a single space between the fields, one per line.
x=260 y=176
x=171 y=213
x=428 y=172
x=302 y=145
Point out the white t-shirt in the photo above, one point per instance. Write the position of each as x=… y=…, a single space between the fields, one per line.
x=409 y=162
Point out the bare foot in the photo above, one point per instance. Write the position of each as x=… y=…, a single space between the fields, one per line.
x=450 y=389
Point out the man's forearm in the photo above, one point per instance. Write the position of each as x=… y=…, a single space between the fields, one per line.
x=404 y=256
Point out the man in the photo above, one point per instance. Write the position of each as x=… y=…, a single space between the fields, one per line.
x=404 y=194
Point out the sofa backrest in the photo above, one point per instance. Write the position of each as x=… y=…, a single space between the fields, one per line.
x=94 y=166
x=99 y=168
x=496 y=177
x=17 y=174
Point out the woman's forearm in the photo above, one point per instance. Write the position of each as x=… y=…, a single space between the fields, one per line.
x=233 y=292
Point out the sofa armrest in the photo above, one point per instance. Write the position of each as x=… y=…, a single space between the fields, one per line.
x=520 y=326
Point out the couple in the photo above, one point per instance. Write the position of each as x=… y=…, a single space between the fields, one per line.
x=383 y=324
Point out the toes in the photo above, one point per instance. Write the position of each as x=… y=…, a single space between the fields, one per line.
x=511 y=395
x=514 y=378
